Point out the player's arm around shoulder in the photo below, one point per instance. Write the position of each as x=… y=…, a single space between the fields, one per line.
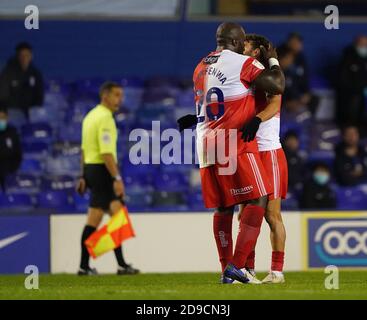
x=270 y=80
x=271 y=109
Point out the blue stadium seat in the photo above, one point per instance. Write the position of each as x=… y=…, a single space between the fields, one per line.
x=37 y=132
x=351 y=198
x=63 y=165
x=133 y=98
x=24 y=183
x=128 y=168
x=60 y=201
x=35 y=150
x=323 y=137
x=138 y=182
x=173 y=181
x=195 y=201
x=181 y=168
x=138 y=200
x=185 y=98
x=146 y=115
x=130 y=82
x=56 y=101
x=323 y=156
x=61 y=182
x=291 y=202
x=57 y=86
x=71 y=132
x=43 y=114
x=88 y=87
x=81 y=202
x=19 y=202
x=33 y=166
x=169 y=201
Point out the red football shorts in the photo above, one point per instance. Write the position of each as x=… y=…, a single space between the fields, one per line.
x=275 y=164
x=248 y=182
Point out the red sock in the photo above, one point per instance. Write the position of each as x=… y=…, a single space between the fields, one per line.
x=250 y=263
x=277 y=261
x=222 y=228
x=249 y=230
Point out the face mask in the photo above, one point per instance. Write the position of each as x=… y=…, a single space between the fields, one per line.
x=321 y=178
x=3 y=124
x=362 y=52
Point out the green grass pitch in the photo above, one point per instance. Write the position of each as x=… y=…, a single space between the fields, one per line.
x=299 y=285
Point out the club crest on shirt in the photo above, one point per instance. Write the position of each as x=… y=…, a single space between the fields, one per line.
x=106 y=138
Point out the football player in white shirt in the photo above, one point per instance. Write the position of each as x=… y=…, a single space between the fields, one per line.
x=266 y=127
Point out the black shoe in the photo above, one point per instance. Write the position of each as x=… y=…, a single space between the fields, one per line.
x=127 y=270
x=87 y=272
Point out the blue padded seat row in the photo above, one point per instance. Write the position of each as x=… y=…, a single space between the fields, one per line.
x=37 y=132
x=351 y=198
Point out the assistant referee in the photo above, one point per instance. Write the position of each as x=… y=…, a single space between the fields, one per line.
x=100 y=172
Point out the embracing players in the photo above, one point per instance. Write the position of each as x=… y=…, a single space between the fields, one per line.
x=225 y=100
x=266 y=126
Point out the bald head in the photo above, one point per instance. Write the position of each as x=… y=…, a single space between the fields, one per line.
x=230 y=36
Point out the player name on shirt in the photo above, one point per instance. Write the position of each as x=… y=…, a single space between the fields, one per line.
x=215 y=72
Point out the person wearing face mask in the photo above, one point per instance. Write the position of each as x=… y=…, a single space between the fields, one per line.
x=317 y=193
x=21 y=83
x=352 y=84
x=10 y=148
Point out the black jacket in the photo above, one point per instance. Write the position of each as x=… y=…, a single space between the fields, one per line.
x=352 y=80
x=10 y=151
x=315 y=196
x=296 y=166
x=352 y=72
x=344 y=166
x=20 y=89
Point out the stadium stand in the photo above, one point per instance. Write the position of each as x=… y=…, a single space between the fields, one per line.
x=51 y=150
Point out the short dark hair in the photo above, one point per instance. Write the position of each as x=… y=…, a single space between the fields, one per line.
x=347 y=126
x=320 y=165
x=291 y=134
x=107 y=87
x=257 y=40
x=23 y=45
x=295 y=35
x=284 y=51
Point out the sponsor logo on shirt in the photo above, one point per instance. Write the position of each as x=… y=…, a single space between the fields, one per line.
x=243 y=190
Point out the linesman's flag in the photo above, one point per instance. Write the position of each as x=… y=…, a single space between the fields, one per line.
x=111 y=235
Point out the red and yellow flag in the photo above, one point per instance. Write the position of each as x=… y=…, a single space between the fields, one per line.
x=111 y=235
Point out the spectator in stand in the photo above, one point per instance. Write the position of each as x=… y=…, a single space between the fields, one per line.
x=352 y=85
x=297 y=93
x=295 y=159
x=21 y=83
x=10 y=148
x=295 y=44
x=317 y=193
x=350 y=159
